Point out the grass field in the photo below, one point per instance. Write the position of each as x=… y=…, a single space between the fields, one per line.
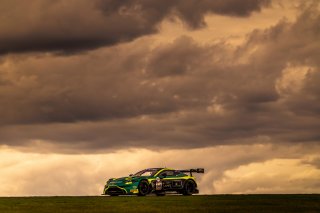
x=201 y=203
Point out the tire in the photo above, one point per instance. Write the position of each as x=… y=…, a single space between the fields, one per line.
x=189 y=187
x=143 y=188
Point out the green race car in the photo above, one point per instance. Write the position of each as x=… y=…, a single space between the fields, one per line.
x=158 y=181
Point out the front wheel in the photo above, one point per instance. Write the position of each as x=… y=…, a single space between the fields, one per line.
x=189 y=187
x=143 y=188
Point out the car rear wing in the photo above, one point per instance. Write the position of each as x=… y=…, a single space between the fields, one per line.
x=197 y=170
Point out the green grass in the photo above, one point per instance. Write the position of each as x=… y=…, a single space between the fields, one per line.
x=201 y=203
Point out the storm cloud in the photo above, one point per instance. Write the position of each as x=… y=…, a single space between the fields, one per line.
x=77 y=25
x=180 y=94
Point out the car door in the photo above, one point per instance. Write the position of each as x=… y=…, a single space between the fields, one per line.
x=169 y=180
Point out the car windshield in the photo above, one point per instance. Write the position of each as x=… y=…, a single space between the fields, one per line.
x=146 y=172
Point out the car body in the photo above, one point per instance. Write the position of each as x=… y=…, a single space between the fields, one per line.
x=158 y=181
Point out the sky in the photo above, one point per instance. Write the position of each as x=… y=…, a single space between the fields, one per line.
x=95 y=89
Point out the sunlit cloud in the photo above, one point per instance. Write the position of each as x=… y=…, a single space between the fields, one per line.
x=228 y=169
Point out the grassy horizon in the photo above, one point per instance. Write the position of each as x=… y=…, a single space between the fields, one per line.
x=200 y=203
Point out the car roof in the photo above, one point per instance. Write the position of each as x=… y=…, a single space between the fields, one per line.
x=154 y=168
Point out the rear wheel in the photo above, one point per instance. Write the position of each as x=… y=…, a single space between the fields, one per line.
x=189 y=187
x=143 y=188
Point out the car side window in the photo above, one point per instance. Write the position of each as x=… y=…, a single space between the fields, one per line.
x=179 y=174
x=163 y=174
x=166 y=173
x=170 y=173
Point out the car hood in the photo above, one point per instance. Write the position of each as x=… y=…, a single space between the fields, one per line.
x=123 y=179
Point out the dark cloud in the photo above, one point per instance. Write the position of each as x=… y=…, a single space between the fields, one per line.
x=295 y=46
x=181 y=94
x=162 y=63
x=84 y=24
x=84 y=87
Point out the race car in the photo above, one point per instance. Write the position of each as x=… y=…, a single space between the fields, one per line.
x=157 y=181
